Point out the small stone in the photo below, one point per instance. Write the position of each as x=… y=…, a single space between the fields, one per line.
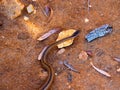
x=118 y=70
x=35 y=11
x=62 y=50
x=86 y=20
x=26 y=18
x=89 y=6
x=30 y=8
x=69 y=86
x=11 y=8
x=2 y=37
x=56 y=74
x=83 y=55
x=23 y=36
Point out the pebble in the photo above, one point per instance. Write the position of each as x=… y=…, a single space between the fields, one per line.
x=2 y=37
x=118 y=70
x=26 y=18
x=56 y=74
x=30 y=8
x=86 y=20
x=83 y=55
x=62 y=50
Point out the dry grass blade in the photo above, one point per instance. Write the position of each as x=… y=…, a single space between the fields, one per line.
x=70 y=66
x=100 y=71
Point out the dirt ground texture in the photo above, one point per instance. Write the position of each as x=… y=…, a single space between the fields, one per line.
x=19 y=48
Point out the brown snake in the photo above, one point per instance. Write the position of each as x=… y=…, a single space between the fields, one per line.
x=47 y=66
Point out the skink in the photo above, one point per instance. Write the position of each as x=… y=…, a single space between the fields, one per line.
x=47 y=66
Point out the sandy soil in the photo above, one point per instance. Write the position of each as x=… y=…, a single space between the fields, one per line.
x=19 y=48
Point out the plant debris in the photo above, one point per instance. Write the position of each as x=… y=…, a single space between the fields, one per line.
x=70 y=66
x=49 y=33
x=99 y=32
x=41 y=53
x=47 y=10
x=83 y=55
x=116 y=59
x=100 y=71
x=65 y=34
x=50 y=14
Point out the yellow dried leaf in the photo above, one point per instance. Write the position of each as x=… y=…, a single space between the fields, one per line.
x=65 y=34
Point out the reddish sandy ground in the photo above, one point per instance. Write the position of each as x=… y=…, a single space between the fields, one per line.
x=19 y=48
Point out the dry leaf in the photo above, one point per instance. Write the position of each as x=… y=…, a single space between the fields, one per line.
x=49 y=33
x=65 y=34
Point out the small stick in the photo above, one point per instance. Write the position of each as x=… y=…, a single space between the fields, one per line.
x=70 y=67
x=100 y=71
x=88 y=2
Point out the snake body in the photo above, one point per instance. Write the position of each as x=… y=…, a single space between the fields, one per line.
x=47 y=66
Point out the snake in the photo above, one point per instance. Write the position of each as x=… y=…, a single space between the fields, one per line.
x=47 y=66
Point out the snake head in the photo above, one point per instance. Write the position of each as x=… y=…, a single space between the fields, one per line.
x=75 y=33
